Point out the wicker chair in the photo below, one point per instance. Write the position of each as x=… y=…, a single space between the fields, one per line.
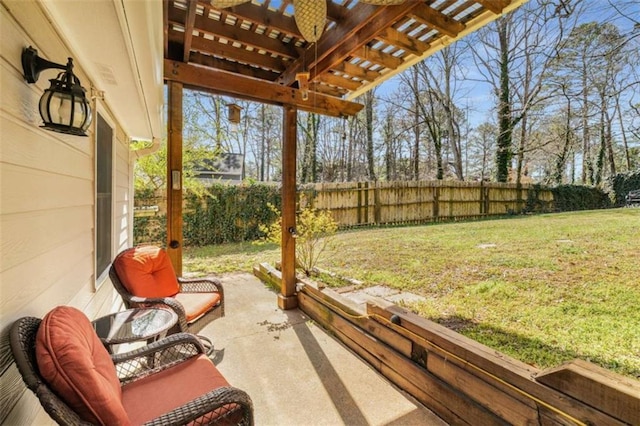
x=222 y=406
x=186 y=323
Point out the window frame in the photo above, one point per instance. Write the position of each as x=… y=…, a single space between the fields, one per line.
x=102 y=114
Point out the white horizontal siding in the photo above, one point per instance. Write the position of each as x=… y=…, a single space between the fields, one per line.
x=47 y=201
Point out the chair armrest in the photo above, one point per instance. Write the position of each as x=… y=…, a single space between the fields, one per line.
x=200 y=285
x=225 y=399
x=156 y=356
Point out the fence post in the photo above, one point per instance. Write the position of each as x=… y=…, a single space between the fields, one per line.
x=377 y=215
x=519 y=202
x=483 y=210
x=436 y=202
x=366 y=202
x=487 y=201
x=359 y=203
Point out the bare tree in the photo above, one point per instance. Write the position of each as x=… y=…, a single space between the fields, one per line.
x=512 y=55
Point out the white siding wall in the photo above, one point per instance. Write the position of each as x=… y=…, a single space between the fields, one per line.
x=47 y=198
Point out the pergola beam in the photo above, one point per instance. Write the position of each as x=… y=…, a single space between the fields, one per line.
x=188 y=29
x=228 y=51
x=256 y=90
x=234 y=34
x=261 y=15
x=359 y=17
x=495 y=6
x=343 y=47
x=438 y=20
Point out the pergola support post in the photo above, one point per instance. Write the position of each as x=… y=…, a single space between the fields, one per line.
x=174 y=176
x=287 y=298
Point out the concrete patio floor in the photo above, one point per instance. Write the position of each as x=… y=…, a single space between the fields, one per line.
x=297 y=374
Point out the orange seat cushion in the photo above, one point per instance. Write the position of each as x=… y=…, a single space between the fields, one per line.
x=197 y=304
x=155 y=395
x=147 y=271
x=78 y=368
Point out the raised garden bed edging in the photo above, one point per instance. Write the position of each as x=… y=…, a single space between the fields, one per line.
x=459 y=379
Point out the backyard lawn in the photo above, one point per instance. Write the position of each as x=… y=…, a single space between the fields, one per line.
x=543 y=289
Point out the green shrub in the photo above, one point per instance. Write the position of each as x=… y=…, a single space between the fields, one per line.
x=534 y=203
x=577 y=197
x=228 y=213
x=218 y=214
x=150 y=230
x=620 y=185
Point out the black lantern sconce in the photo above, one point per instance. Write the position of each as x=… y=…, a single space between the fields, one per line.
x=64 y=108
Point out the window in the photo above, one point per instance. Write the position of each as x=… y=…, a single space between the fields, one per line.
x=104 y=178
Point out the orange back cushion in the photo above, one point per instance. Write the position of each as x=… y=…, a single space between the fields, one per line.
x=78 y=368
x=147 y=271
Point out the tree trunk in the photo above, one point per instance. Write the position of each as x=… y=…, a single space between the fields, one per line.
x=415 y=154
x=388 y=149
x=351 y=122
x=624 y=135
x=609 y=142
x=369 y=124
x=309 y=169
x=452 y=124
x=562 y=158
x=600 y=163
x=503 y=157
x=587 y=167
x=437 y=146
x=263 y=138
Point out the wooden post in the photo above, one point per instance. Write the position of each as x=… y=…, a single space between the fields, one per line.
x=366 y=203
x=359 y=203
x=377 y=213
x=287 y=298
x=174 y=176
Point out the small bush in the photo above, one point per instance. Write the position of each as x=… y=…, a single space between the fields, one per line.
x=314 y=232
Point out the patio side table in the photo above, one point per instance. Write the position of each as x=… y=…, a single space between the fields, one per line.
x=134 y=325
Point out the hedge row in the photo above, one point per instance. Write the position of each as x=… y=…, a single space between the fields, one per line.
x=229 y=213
x=222 y=214
x=574 y=197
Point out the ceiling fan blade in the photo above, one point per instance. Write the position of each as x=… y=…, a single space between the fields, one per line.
x=382 y=2
x=310 y=16
x=227 y=3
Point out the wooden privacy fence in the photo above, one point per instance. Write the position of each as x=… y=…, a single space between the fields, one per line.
x=380 y=203
x=350 y=203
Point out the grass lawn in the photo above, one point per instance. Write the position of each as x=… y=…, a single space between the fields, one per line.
x=543 y=289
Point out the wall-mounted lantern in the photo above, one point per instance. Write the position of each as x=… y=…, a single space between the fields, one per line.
x=64 y=108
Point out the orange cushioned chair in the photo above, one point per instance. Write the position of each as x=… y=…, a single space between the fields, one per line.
x=169 y=382
x=144 y=276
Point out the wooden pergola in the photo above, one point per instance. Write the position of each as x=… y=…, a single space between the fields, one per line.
x=255 y=51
